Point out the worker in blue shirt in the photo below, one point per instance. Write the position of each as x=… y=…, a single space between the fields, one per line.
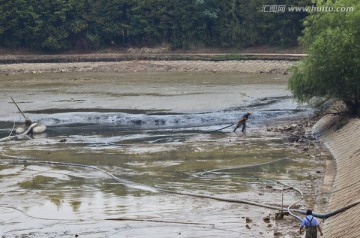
x=242 y=121
x=311 y=225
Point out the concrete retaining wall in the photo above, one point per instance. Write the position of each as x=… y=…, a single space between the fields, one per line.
x=342 y=137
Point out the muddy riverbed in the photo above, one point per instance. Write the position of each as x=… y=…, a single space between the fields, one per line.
x=121 y=147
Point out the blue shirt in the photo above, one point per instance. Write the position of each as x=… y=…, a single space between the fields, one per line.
x=246 y=116
x=307 y=219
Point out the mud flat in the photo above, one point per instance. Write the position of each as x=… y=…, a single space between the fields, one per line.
x=341 y=135
x=85 y=111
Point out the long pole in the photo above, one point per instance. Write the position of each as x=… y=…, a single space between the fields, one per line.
x=18 y=108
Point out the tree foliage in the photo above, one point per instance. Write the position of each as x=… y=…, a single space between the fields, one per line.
x=332 y=69
x=55 y=25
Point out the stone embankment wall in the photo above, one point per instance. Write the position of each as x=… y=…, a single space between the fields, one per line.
x=342 y=137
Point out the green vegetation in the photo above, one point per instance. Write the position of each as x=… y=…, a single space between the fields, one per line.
x=56 y=25
x=332 y=69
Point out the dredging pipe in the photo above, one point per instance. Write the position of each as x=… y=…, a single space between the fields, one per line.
x=157 y=189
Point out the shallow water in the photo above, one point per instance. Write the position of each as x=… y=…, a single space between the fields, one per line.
x=141 y=137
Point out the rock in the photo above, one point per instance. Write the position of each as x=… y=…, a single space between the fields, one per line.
x=247 y=226
x=279 y=216
x=289 y=128
x=266 y=219
x=280 y=128
x=294 y=138
x=296 y=145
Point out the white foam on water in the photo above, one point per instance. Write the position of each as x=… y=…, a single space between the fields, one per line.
x=153 y=121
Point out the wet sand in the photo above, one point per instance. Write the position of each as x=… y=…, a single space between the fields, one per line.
x=172 y=92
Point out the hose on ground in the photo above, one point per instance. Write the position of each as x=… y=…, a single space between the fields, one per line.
x=20 y=135
x=157 y=189
x=223 y=128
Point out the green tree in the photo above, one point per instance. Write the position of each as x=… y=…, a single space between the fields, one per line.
x=332 y=69
x=56 y=25
x=17 y=21
x=263 y=26
x=62 y=25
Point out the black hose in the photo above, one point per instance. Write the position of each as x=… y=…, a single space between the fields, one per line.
x=156 y=189
x=20 y=135
x=223 y=128
x=330 y=214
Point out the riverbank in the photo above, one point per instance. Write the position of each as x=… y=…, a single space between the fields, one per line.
x=126 y=66
x=341 y=135
x=111 y=57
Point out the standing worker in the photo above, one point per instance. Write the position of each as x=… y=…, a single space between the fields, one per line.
x=242 y=121
x=311 y=225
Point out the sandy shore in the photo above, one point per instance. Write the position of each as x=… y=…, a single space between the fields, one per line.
x=244 y=66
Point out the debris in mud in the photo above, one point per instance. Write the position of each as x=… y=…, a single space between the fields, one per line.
x=266 y=219
x=278 y=234
x=299 y=133
x=279 y=215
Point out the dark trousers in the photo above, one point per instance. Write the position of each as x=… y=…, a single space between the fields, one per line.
x=241 y=123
